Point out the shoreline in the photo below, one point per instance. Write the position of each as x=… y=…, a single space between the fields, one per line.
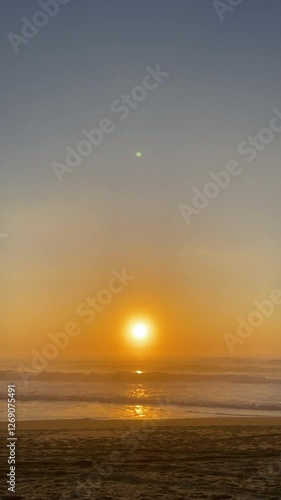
x=85 y=424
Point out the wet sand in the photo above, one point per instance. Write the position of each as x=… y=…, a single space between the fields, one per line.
x=175 y=459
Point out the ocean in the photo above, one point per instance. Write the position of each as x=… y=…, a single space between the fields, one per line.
x=146 y=389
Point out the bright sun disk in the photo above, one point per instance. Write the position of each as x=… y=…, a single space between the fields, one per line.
x=140 y=331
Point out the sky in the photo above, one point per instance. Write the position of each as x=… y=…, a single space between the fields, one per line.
x=63 y=241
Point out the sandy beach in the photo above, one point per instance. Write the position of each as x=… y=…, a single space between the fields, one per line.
x=189 y=459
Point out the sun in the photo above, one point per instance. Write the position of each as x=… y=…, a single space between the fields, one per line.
x=140 y=331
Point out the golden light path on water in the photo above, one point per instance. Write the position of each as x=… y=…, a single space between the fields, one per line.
x=140 y=410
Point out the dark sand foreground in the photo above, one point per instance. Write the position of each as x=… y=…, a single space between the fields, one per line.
x=189 y=459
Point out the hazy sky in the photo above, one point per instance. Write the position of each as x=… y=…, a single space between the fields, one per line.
x=115 y=210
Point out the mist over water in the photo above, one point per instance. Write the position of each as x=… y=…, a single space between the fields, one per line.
x=146 y=389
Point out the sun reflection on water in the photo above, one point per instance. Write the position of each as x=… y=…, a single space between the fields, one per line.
x=140 y=410
x=140 y=392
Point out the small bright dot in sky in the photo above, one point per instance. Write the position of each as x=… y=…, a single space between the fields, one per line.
x=138 y=154
x=139 y=372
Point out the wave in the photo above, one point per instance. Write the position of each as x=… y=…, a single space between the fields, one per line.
x=153 y=402
x=134 y=377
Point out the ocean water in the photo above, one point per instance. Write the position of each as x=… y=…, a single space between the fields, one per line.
x=116 y=390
